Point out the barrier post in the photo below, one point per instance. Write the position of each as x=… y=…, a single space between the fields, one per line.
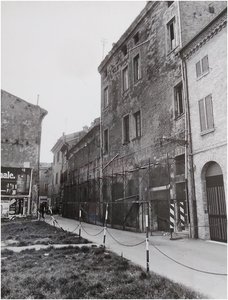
x=105 y=225
x=147 y=245
x=80 y=225
x=171 y=219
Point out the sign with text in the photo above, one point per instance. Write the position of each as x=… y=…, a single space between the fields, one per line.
x=15 y=181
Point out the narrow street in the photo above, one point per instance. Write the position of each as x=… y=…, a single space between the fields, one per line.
x=202 y=255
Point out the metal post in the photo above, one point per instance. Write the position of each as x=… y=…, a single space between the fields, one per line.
x=105 y=225
x=147 y=242
x=80 y=225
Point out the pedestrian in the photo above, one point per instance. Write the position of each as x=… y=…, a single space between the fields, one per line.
x=42 y=209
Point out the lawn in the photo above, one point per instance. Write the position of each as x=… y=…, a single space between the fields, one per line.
x=74 y=272
x=23 y=232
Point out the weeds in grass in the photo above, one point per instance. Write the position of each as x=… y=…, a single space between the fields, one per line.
x=72 y=273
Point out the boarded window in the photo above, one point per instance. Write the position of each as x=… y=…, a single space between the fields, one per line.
x=206 y=113
x=137 y=118
x=202 y=66
x=205 y=64
x=178 y=101
x=106 y=141
x=126 y=135
x=105 y=97
x=198 y=69
x=125 y=79
x=136 y=68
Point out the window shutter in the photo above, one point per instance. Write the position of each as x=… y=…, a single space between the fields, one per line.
x=209 y=112
x=205 y=64
x=202 y=115
x=198 y=69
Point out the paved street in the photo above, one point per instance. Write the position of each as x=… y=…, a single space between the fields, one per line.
x=203 y=255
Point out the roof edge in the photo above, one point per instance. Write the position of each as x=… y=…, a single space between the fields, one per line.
x=149 y=5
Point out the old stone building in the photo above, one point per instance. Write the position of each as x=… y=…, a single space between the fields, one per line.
x=143 y=117
x=205 y=58
x=82 y=184
x=20 y=153
x=60 y=166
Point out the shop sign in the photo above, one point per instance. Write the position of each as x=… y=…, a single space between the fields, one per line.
x=15 y=181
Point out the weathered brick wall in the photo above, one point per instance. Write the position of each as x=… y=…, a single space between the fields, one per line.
x=153 y=94
x=21 y=135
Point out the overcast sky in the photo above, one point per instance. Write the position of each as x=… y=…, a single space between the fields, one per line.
x=53 y=49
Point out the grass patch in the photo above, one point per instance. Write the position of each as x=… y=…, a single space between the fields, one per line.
x=74 y=272
x=26 y=232
x=71 y=273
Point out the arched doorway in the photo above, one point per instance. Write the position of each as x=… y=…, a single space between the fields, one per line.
x=216 y=202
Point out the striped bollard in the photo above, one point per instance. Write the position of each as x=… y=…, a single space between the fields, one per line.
x=147 y=245
x=80 y=225
x=171 y=218
x=182 y=215
x=105 y=225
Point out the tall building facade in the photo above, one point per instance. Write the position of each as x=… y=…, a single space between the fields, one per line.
x=143 y=117
x=20 y=152
x=60 y=166
x=82 y=183
x=204 y=61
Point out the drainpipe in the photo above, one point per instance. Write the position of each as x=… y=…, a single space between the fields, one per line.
x=189 y=175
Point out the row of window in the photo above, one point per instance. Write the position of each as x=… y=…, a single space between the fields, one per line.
x=205 y=113
x=126 y=130
x=125 y=79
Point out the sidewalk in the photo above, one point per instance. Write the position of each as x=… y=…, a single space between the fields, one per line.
x=203 y=255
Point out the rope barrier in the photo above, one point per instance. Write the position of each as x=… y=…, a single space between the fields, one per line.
x=91 y=233
x=186 y=266
x=140 y=243
x=125 y=245
x=76 y=228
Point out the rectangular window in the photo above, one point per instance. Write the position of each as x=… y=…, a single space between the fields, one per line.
x=137 y=118
x=58 y=157
x=202 y=66
x=180 y=164
x=136 y=68
x=105 y=73
x=56 y=178
x=126 y=134
x=171 y=35
x=206 y=113
x=136 y=38
x=105 y=97
x=178 y=100
x=169 y=3
x=106 y=141
x=125 y=79
x=124 y=50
